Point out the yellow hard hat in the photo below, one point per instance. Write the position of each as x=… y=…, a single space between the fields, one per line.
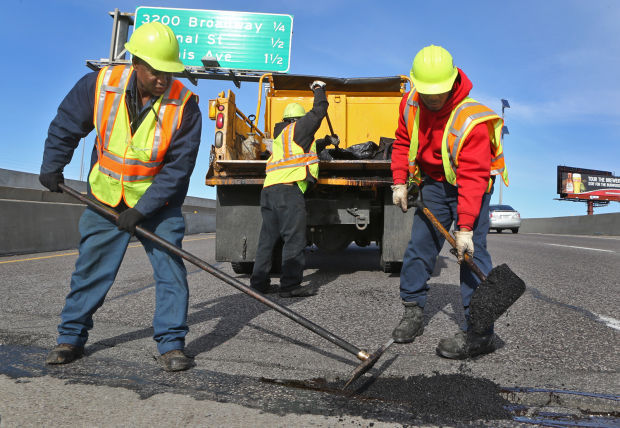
x=293 y=110
x=433 y=71
x=156 y=44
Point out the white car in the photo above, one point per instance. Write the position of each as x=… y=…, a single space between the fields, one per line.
x=504 y=217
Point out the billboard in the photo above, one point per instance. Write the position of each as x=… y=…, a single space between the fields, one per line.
x=587 y=184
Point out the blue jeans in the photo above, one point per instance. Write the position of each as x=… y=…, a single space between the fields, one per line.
x=102 y=248
x=426 y=243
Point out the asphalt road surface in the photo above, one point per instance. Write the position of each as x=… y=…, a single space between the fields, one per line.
x=557 y=362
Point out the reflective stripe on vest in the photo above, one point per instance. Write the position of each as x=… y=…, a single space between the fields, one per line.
x=467 y=114
x=127 y=164
x=288 y=162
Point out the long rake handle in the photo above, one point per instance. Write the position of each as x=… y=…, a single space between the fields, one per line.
x=140 y=231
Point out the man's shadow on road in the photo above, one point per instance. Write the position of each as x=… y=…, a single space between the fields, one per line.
x=234 y=312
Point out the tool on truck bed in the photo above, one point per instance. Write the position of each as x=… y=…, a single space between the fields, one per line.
x=496 y=292
x=368 y=359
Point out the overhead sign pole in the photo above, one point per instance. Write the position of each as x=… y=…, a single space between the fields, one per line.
x=236 y=40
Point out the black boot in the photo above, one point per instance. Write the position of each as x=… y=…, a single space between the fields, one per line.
x=175 y=361
x=466 y=345
x=64 y=353
x=411 y=325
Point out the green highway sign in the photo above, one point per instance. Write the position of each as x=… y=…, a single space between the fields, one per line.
x=237 y=40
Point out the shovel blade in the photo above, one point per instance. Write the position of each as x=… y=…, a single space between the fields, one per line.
x=368 y=363
x=493 y=297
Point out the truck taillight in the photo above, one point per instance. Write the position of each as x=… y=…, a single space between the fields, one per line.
x=219 y=122
x=212 y=109
x=219 y=139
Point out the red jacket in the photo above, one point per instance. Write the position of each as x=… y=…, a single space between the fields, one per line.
x=473 y=172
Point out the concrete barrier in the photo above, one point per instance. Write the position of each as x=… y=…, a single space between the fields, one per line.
x=33 y=227
x=598 y=224
x=36 y=220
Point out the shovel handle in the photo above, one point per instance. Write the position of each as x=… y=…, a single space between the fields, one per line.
x=468 y=259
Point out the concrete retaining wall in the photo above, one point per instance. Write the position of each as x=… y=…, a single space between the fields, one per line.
x=598 y=224
x=36 y=220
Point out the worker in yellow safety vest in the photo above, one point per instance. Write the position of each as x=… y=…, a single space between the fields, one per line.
x=148 y=128
x=450 y=145
x=292 y=166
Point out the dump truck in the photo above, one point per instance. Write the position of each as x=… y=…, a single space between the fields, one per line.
x=352 y=200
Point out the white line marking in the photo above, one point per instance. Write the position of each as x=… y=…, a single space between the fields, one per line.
x=609 y=321
x=582 y=248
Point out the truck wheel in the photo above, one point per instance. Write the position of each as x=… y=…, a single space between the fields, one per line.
x=242 y=267
x=515 y=230
x=333 y=239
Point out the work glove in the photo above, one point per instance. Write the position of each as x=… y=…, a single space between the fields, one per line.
x=464 y=243
x=51 y=180
x=317 y=84
x=332 y=139
x=128 y=219
x=399 y=196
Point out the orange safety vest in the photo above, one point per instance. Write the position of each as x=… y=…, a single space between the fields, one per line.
x=288 y=162
x=127 y=164
x=464 y=117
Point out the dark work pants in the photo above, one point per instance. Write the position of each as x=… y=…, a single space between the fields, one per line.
x=426 y=242
x=283 y=209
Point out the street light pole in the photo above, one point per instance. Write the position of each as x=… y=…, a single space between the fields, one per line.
x=505 y=105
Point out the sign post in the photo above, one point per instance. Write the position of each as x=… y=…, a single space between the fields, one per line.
x=236 y=40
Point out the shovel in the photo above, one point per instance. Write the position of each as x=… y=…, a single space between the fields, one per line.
x=368 y=359
x=496 y=291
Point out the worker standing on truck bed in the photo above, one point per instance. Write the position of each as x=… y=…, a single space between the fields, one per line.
x=292 y=166
x=450 y=145
x=148 y=129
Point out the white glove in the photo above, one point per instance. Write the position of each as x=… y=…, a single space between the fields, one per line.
x=317 y=84
x=464 y=243
x=399 y=196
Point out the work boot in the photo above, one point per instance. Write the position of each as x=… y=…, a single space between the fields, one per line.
x=64 y=353
x=297 y=291
x=265 y=289
x=411 y=325
x=175 y=361
x=466 y=345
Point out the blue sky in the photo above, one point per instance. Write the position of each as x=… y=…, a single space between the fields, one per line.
x=556 y=62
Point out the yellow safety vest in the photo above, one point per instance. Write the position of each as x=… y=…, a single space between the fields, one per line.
x=127 y=164
x=464 y=117
x=288 y=162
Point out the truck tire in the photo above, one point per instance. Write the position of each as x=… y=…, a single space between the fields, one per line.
x=333 y=238
x=242 y=267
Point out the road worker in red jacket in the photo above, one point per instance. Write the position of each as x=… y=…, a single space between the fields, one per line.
x=450 y=145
